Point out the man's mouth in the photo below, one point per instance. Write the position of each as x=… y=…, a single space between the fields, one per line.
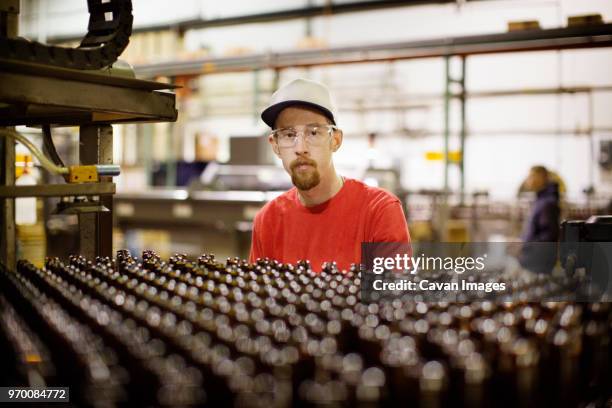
x=302 y=165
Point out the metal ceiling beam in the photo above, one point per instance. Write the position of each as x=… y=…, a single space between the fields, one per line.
x=272 y=16
x=520 y=41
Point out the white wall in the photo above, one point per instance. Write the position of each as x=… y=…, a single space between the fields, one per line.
x=508 y=134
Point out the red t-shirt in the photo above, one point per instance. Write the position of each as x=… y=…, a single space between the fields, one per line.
x=286 y=230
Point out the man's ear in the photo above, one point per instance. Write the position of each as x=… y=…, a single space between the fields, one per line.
x=337 y=137
x=274 y=145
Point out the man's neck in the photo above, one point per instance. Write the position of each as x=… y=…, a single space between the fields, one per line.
x=326 y=189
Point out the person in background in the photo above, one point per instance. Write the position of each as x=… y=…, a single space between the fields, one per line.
x=326 y=216
x=543 y=223
x=553 y=177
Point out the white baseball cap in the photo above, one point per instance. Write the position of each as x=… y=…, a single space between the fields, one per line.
x=300 y=92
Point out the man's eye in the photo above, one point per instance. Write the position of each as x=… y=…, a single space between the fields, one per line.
x=288 y=135
x=316 y=131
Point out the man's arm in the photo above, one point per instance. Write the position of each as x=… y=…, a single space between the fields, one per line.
x=388 y=224
x=256 y=251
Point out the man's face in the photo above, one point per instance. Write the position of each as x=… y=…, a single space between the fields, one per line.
x=305 y=164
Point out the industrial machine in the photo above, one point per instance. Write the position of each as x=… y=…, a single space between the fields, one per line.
x=586 y=250
x=52 y=86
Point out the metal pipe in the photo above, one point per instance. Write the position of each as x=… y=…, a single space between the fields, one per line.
x=328 y=8
x=463 y=131
x=172 y=155
x=256 y=92
x=108 y=170
x=446 y=119
x=145 y=135
x=44 y=160
x=591 y=113
x=360 y=89
x=532 y=40
x=524 y=132
x=444 y=204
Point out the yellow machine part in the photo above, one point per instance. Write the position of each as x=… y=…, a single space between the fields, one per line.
x=454 y=156
x=22 y=161
x=83 y=174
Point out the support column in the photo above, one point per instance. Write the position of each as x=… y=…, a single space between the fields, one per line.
x=8 y=246
x=444 y=211
x=9 y=27
x=447 y=101
x=96 y=229
x=462 y=100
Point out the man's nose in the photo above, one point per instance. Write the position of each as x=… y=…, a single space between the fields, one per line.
x=300 y=143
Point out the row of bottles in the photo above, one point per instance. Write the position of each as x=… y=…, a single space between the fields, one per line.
x=125 y=331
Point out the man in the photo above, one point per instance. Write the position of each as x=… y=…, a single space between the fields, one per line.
x=543 y=223
x=325 y=217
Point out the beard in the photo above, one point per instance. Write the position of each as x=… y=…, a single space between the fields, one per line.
x=307 y=178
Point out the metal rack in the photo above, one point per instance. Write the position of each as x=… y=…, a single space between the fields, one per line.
x=33 y=94
x=448 y=48
x=563 y=38
x=590 y=36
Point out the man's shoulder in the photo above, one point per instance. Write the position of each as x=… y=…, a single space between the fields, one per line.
x=371 y=194
x=279 y=204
